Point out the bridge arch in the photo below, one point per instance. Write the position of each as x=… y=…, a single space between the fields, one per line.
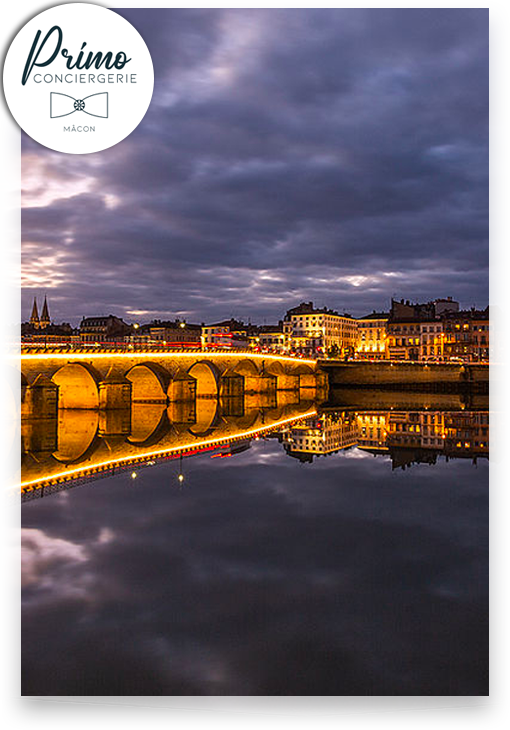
x=243 y=377
x=77 y=386
x=207 y=376
x=274 y=367
x=273 y=415
x=149 y=424
x=286 y=378
x=247 y=368
x=307 y=375
x=301 y=368
x=246 y=421
x=77 y=436
x=149 y=382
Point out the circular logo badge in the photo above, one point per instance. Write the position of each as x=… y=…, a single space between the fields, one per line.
x=78 y=78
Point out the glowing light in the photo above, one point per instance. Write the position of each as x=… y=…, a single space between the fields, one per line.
x=192 y=446
x=181 y=478
x=155 y=354
x=133 y=475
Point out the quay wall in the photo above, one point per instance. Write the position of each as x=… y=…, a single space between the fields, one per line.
x=404 y=374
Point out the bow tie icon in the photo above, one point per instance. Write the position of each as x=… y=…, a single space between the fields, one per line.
x=61 y=105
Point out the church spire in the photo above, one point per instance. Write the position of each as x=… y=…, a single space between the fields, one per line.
x=45 y=315
x=34 y=317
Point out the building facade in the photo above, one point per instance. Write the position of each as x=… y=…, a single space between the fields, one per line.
x=321 y=332
x=103 y=329
x=467 y=335
x=431 y=341
x=418 y=332
x=371 y=339
x=404 y=339
x=231 y=333
x=268 y=338
x=177 y=332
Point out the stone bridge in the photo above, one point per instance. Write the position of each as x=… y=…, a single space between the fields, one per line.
x=116 y=380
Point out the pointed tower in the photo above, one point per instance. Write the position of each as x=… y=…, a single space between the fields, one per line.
x=45 y=316
x=34 y=317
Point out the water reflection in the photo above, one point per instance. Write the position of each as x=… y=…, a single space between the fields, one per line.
x=406 y=436
x=247 y=547
x=87 y=444
x=42 y=456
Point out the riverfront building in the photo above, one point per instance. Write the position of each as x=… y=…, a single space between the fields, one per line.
x=404 y=338
x=371 y=340
x=174 y=333
x=322 y=332
x=103 y=329
x=431 y=340
x=466 y=335
x=229 y=333
x=435 y=331
x=268 y=338
x=419 y=332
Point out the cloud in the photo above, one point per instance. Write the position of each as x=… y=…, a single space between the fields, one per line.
x=40 y=554
x=280 y=145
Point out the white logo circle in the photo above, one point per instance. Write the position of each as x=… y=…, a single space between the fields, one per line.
x=78 y=78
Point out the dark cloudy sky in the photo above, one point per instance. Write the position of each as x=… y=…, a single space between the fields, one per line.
x=288 y=155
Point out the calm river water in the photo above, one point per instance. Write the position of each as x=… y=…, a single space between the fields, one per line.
x=342 y=554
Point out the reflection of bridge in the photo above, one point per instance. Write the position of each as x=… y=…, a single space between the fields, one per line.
x=89 y=443
x=106 y=380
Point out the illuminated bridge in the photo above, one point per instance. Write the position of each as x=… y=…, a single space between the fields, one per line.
x=101 y=380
